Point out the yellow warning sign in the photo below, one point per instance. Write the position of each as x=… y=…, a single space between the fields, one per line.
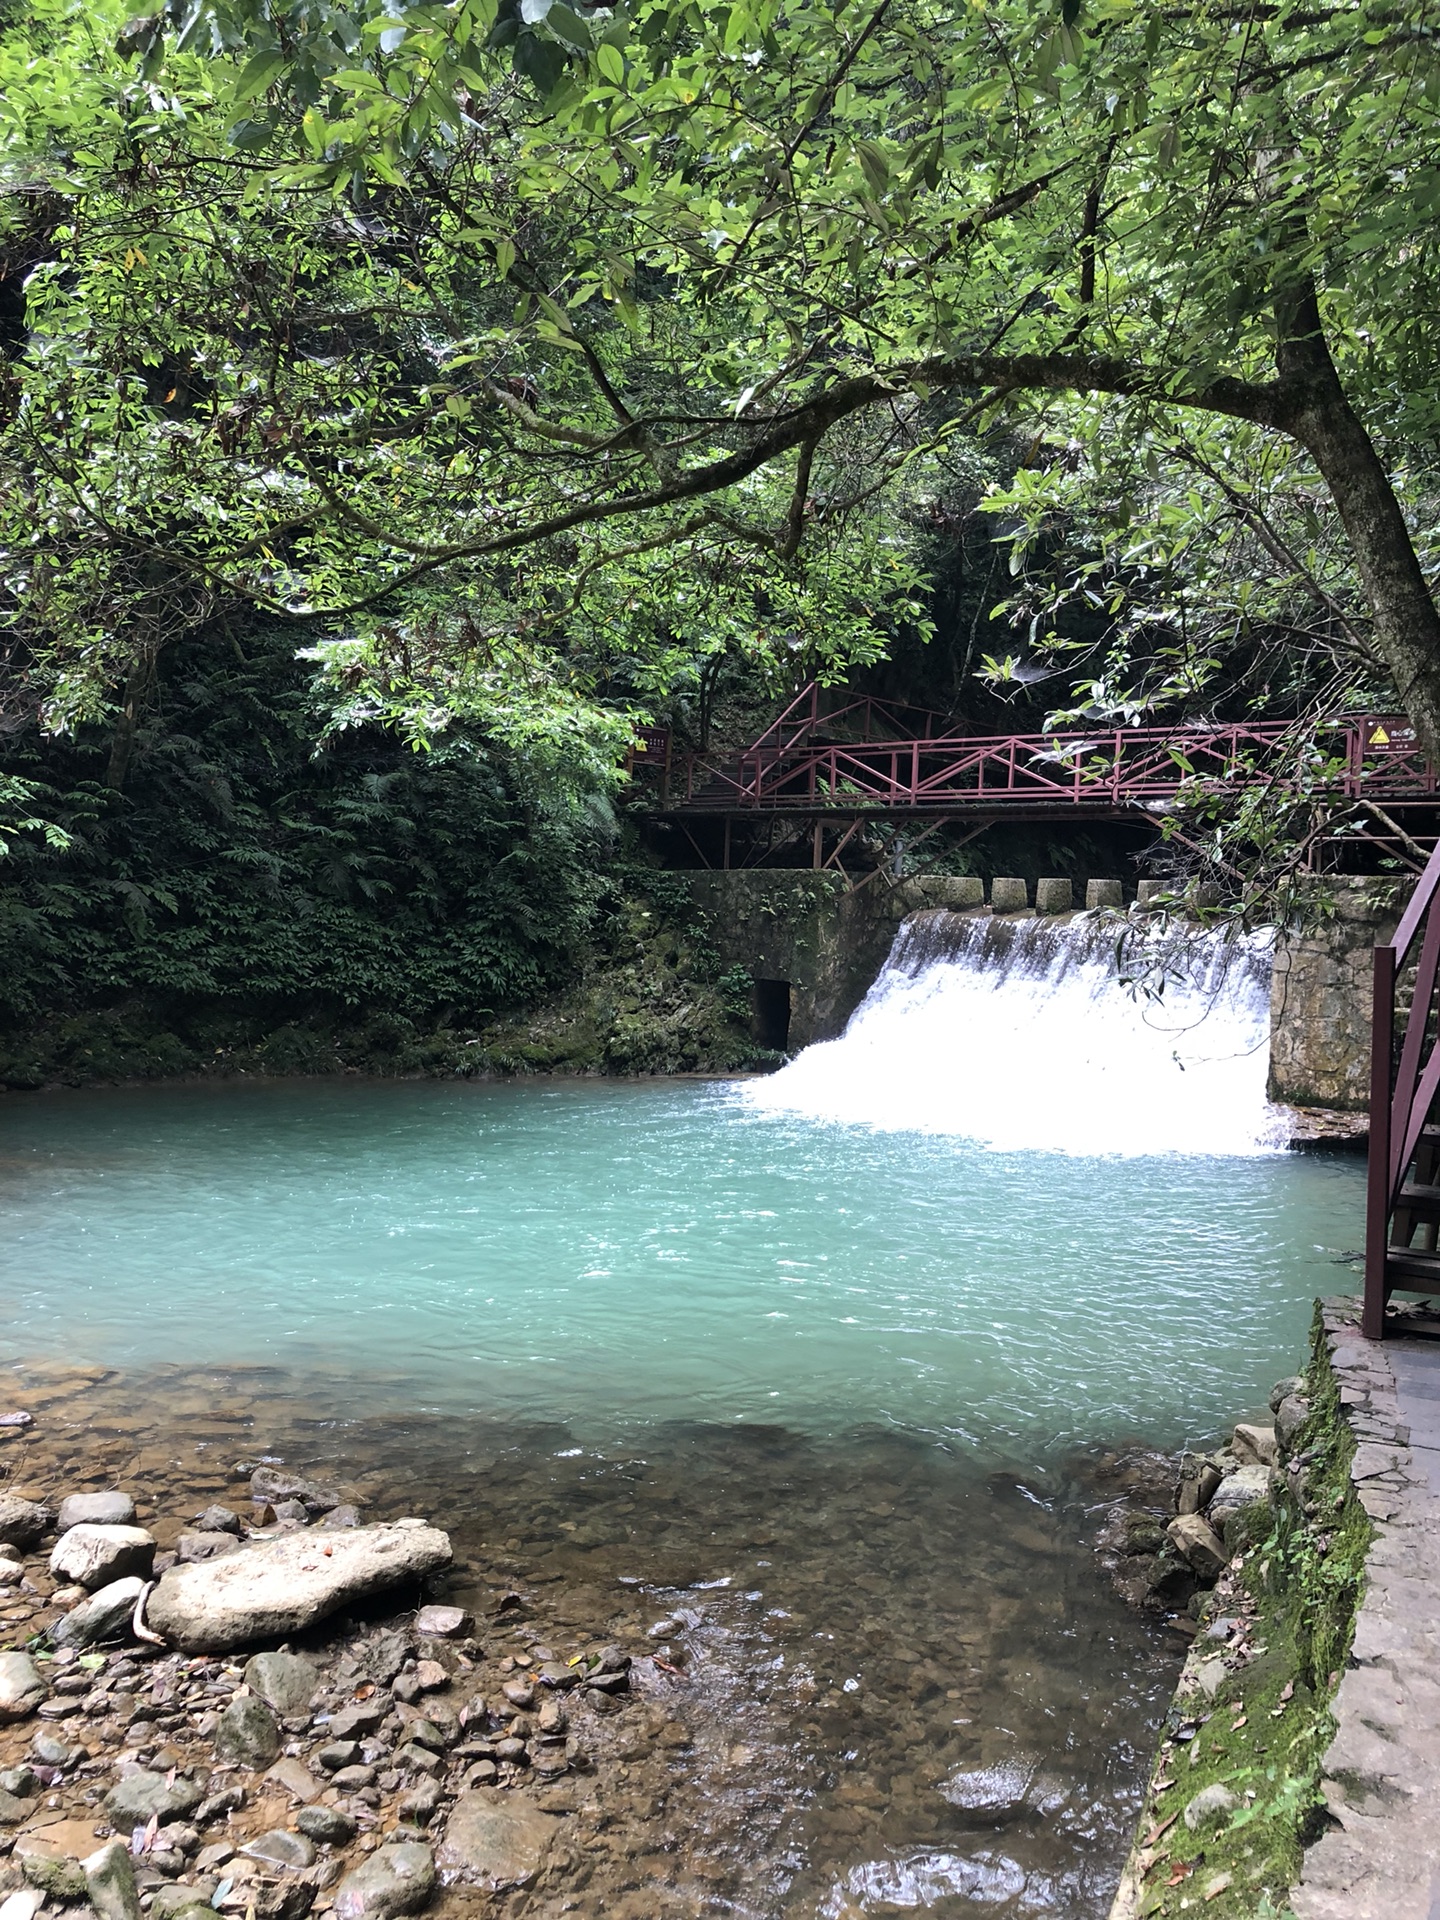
x=1379 y=738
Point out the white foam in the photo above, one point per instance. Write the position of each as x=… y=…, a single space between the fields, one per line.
x=1022 y=1035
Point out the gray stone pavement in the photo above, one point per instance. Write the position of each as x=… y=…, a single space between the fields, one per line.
x=1382 y=1771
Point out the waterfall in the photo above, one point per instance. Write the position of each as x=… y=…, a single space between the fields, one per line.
x=1023 y=1035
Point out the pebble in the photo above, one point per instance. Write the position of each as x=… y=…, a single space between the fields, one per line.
x=279 y=1848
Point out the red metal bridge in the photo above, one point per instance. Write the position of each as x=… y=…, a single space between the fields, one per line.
x=869 y=756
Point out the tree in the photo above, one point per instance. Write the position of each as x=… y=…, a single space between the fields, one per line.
x=235 y=389
x=907 y=214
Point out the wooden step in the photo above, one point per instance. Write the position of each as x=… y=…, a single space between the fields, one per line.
x=1412 y=1271
x=1423 y=1202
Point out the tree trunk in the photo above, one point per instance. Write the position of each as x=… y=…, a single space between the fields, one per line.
x=1407 y=621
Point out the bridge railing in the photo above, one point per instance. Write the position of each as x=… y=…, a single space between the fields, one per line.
x=1403 y=1196
x=1363 y=757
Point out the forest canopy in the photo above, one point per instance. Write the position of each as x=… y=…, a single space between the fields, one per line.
x=526 y=357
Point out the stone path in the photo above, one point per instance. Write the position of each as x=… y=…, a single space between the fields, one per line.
x=1382 y=1772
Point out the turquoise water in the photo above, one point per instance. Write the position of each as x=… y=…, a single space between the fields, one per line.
x=609 y=1254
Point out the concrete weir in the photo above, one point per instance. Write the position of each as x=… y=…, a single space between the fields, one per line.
x=815 y=942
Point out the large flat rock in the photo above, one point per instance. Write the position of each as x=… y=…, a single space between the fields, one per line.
x=272 y=1588
x=495 y=1840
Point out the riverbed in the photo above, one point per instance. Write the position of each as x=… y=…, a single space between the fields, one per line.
x=844 y=1407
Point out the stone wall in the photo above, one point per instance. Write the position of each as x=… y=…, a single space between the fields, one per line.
x=1320 y=1000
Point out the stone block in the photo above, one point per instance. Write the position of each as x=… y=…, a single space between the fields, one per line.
x=1054 y=896
x=959 y=892
x=1196 y=1540
x=1104 y=893
x=1009 y=896
x=1256 y=1445
x=1147 y=894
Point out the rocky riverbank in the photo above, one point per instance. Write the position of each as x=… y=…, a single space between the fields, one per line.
x=269 y=1718
x=1269 y=1537
x=879 y=1671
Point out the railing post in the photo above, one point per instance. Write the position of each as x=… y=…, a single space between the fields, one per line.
x=1380 y=1192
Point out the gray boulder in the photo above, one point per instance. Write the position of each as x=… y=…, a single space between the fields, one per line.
x=93 y=1557
x=204 y=1546
x=22 y=1522
x=104 y=1616
x=330 y=1825
x=495 y=1840
x=140 y=1796
x=21 y=1688
x=247 y=1734
x=217 y=1519
x=113 y=1509
x=273 y=1588
x=393 y=1880
x=110 y=1881
x=1286 y=1389
x=1240 y=1510
x=1290 y=1417
x=284 y=1681
x=1193 y=1537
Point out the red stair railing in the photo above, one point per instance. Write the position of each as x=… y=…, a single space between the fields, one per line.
x=1402 y=1215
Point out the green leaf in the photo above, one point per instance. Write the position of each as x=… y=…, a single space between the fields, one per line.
x=568 y=26
x=611 y=63
x=259 y=72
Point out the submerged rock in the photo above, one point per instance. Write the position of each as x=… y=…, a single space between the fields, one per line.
x=392 y=1881
x=113 y=1509
x=273 y=1485
x=495 y=1839
x=272 y=1588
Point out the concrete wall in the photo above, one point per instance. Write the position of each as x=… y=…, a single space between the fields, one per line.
x=810 y=930
x=1320 y=998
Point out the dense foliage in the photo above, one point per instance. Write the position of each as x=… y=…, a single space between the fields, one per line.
x=705 y=276
x=529 y=371
x=239 y=864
